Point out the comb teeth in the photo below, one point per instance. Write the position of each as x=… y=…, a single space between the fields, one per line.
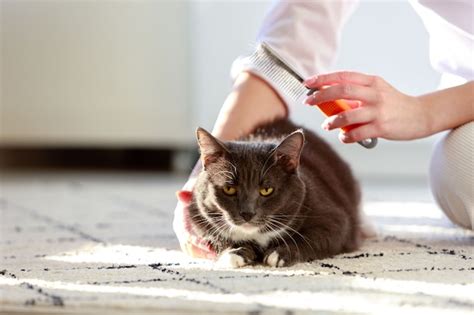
x=278 y=72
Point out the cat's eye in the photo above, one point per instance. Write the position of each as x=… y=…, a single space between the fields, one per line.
x=266 y=191
x=229 y=190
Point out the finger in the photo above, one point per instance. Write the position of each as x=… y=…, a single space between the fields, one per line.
x=339 y=77
x=360 y=115
x=358 y=134
x=184 y=196
x=197 y=252
x=342 y=91
x=200 y=247
x=194 y=251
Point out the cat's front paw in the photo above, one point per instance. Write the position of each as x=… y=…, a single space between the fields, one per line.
x=232 y=258
x=279 y=257
x=274 y=260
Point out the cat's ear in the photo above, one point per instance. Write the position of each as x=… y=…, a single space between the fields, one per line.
x=210 y=147
x=288 y=152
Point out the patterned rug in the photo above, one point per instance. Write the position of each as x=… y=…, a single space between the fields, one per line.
x=103 y=243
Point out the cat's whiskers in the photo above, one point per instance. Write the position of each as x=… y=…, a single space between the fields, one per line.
x=211 y=219
x=198 y=218
x=227 y=174
x=217 y=229
x=277 y=231
x=205 y=223
x=298 y=252
x=287 y=227
x=215 y=235
x=201 y=222
x=233 y=166
x=231 y=230
x=216 y=224
x=282 y=227
x=285 y=216
x=305 y=239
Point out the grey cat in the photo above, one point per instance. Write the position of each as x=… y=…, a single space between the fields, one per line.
x=271 y=198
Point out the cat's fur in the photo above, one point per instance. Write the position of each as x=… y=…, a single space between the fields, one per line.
x=312 y=213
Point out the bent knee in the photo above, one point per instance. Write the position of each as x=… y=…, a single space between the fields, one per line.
x=452 y=175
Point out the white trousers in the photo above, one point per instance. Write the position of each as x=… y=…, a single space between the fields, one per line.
x=452 y=175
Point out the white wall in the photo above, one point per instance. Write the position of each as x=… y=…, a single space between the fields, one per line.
x=385 y=38
x=94 y=73
x=219 y=32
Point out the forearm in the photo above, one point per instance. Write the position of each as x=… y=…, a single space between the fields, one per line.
x=251 y=102
x=285 y=27
x=449 y=108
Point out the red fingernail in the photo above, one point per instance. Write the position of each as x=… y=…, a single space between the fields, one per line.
x=184 y=195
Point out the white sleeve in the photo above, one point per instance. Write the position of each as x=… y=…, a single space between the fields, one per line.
x=305 y=34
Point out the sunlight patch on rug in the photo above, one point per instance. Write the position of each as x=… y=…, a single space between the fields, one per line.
x=317 y=301
x=123 y=254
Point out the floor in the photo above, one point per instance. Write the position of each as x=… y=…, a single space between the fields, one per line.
x=102 y=243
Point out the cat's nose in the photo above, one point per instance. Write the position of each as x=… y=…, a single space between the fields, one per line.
x=247 y=215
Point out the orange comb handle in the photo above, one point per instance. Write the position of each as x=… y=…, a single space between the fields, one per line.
x=335 y=107
x=338 y=106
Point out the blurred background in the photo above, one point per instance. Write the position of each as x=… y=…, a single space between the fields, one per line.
x=124 y=84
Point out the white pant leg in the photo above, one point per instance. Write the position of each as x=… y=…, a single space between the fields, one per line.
x=452 y=175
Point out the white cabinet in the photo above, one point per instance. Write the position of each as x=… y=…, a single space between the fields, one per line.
x=95 y=73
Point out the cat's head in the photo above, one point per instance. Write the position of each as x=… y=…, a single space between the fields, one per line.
x=250 y=185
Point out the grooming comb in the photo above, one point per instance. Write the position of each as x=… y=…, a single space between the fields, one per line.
x=291 y=84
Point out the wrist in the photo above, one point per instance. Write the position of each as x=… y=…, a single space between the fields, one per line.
x=427 y=117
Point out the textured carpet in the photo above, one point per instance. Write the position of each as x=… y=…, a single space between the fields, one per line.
x=103 y=243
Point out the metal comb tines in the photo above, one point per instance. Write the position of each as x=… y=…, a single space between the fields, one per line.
x=278 y=72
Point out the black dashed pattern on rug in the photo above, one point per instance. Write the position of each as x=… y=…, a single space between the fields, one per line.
x=80 y=242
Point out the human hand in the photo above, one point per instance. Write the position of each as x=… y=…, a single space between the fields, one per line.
x=378 y=109
x=190 y=243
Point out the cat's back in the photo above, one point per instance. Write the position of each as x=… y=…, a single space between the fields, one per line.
x=317 y=153
x=320 y=164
